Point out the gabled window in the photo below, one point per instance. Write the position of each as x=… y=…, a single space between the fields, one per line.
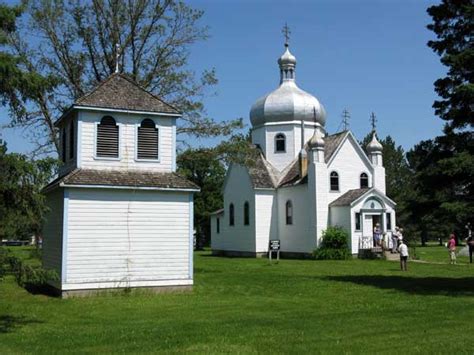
x=357 y=221
x=231 y=215
x=71 y=140
x=147 y=145
x=107 y=145
x=334 y=181
x=246 y=214
x=280 y=143
x=289 y=212
x=364 y=181
x=63 y=145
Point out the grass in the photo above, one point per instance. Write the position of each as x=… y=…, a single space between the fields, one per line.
x=250 y=306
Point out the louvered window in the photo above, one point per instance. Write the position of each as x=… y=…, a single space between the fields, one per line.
x=147 y=140
x=108 y=138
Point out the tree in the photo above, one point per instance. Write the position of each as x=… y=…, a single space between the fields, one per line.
x=203 y=167
x=22 y=206
x=78 y=43
x=454 y=28
x=444 y=167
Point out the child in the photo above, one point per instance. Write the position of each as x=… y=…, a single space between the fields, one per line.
x=452 y=249
x=403 y=250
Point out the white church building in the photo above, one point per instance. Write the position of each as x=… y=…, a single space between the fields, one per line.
x=119 y=215
x=302 y=180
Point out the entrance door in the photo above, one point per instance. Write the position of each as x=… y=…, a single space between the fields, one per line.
x=367 y=228
x=376 y=219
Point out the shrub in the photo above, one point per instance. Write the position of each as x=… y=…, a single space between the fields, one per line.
x=334 y=245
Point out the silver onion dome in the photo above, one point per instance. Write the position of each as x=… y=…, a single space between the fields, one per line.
x=374 y=145
x=317 y=140
x=288 y=102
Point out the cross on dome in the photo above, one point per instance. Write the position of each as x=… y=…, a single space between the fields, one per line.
x=286 y=32
x=373 y=121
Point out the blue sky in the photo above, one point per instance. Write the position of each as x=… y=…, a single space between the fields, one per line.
x=361 y=55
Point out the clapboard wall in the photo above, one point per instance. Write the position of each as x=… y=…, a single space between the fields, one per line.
x=127 y=238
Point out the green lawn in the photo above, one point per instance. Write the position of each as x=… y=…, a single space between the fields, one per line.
x=249 y=306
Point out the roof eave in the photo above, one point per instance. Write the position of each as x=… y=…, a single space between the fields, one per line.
x=129 y=187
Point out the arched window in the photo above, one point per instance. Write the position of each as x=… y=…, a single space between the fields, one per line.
x=71 y=140
x=246 y=213
x=334 y=181
x=231 y=214
x=280 y=143
x=364 y=181
x=289 y=212
x=63 y=144
x=147 y=147
x=107 y=145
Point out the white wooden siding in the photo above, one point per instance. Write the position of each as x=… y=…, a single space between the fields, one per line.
x=53 y=231
x=298 y=237
x=349 y=164
x=237 y=190
x=126 y=236
x=266 y=227
x=128 y=124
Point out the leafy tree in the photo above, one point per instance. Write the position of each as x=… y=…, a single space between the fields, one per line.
x=78 y=43
x=22 y=206
x=204 y=167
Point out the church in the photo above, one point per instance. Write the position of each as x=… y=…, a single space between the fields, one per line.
x=301 y=181
x=119 y=216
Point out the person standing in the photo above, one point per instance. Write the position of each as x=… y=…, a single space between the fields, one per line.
x=470 y=242
x=403 y=249
x=395 y=240
x=452 y=248
x=377 y=234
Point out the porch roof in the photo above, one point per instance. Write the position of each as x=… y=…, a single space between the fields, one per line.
x=349 y=197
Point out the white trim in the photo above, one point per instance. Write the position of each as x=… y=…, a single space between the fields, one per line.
x=378 y=193
x=136 y=126
x=358 y=148
x=64 y=236
x=118 y=284
x=173 y=146
x=191 y=236
x=62 y=184
x=79 y=141
x=119 y=141
x=127 y=111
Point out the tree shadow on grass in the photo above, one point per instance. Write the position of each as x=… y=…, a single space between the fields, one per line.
x=413 y=285
x=9 y=323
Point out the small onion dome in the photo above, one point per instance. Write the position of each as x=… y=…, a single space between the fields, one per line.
x=287 y=59
x=317 y=140
x=374 y=146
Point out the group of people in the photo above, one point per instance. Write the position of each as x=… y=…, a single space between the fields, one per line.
x=398 y=245
x=451 y=245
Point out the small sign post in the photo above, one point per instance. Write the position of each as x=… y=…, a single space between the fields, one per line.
x=274 y=247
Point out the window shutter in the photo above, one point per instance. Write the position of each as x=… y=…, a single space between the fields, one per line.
x=108 y=138
x=147 y=140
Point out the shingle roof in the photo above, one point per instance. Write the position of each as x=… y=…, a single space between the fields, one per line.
x=262 y=173
x=349 y=197
x=120 y=92
x=291 y=175
x=331 y=143
x=111 y=178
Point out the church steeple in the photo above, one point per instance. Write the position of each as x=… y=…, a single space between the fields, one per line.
x=287 y=61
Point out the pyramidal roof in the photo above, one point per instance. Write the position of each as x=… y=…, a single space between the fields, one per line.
x=119 y=92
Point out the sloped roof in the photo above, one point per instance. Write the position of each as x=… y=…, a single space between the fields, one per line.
x=262 y=173
x=349 y=197
x=331 y=143
x=115 y=178
x=120 y=92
